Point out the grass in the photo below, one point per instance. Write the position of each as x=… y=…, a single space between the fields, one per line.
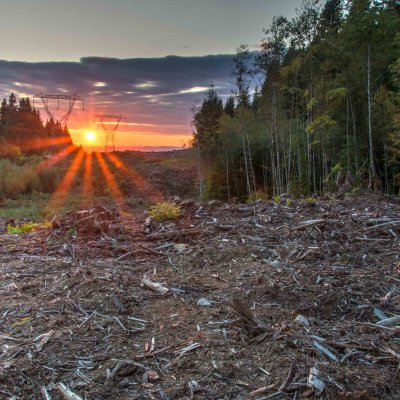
x=38 y=208
x=164 y=211
x=23 y=228
x=30 y=207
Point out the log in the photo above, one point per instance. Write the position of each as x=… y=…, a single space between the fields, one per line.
x=389 y=321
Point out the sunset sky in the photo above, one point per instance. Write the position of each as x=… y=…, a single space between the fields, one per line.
x=150 y=60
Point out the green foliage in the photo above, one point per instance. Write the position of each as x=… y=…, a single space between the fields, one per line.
x=206 y=120
x=310 y=200
x=336 y=93
x=20 y=229
x=24 y=176
x=277 y=199
x=22 y=130
x=214 y=186
x=27 y=206
x=336 y=168
x=312 y=112
x=165 y=211
x=322 y=122
x=288 y=203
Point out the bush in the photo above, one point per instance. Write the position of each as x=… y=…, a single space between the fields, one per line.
x=14 y=179
x=8 y=150
x=164 y=211
x=49 y=179
x=23 y=228
x=17 y=178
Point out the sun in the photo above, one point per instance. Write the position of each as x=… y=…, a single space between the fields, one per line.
x=90 y=136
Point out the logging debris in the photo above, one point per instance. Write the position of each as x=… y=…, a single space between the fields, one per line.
x=268 y=300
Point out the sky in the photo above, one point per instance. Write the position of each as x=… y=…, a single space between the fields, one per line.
x=149 y=60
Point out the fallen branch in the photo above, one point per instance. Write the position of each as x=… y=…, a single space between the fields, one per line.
x=67 y=393
x=286 y=382
x=261 y=390
x=325 y=351
x=43 y=340
x=253 y=326
x=389 y=321
x=154 y=286
x=384 y=224
x=307 y=224
x=182 y=352
x=45 y=393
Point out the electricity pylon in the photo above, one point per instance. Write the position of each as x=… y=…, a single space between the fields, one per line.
x=110 y=123
x=63 y=119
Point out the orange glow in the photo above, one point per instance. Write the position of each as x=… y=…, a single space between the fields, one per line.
x=61 y=193
x=136 y=179
x=151 y=139
x=53 y=160
x=87 y=188
x=90 y=136
x=127 y=139
x=109 y=177
x=37 y=144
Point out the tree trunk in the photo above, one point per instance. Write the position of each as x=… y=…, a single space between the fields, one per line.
x=372 y=174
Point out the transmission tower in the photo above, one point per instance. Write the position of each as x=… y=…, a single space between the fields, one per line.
x=110 y=123
x=63 y=119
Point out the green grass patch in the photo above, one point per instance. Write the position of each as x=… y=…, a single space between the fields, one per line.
x=20 y=229
x=164 y=211
x=29 y=206
x=40 y=207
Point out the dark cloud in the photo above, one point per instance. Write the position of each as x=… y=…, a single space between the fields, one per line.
x=146 y=90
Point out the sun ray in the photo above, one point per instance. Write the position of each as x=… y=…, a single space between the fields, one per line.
x=87 y=188
x=110 y=180
x=45 y=143
x=59 y=196
x=140 y=183
x=50 y=162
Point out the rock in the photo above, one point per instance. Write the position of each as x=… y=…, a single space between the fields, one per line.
x=204 y=302
x=180 y=247
x=302 y=320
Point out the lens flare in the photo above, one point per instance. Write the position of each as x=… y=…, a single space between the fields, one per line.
x=90 y=136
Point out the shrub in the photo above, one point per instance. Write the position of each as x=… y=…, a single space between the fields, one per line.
x=21 y=177
x=289 y=203
x=23 y=228
x=8 y=150
x=165 y=211
x=277 y=199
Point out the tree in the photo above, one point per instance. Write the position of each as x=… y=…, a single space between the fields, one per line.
x=229 y=108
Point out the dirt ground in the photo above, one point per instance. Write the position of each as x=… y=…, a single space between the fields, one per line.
x=230 y=301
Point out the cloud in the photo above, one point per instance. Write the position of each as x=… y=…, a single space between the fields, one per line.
x=157 y=91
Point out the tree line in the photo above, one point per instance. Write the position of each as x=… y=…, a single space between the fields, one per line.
x=22 y=130
x=317 y=104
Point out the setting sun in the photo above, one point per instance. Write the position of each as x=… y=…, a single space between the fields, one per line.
x=90 y=136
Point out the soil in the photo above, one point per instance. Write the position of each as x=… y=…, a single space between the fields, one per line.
x=267 y=300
